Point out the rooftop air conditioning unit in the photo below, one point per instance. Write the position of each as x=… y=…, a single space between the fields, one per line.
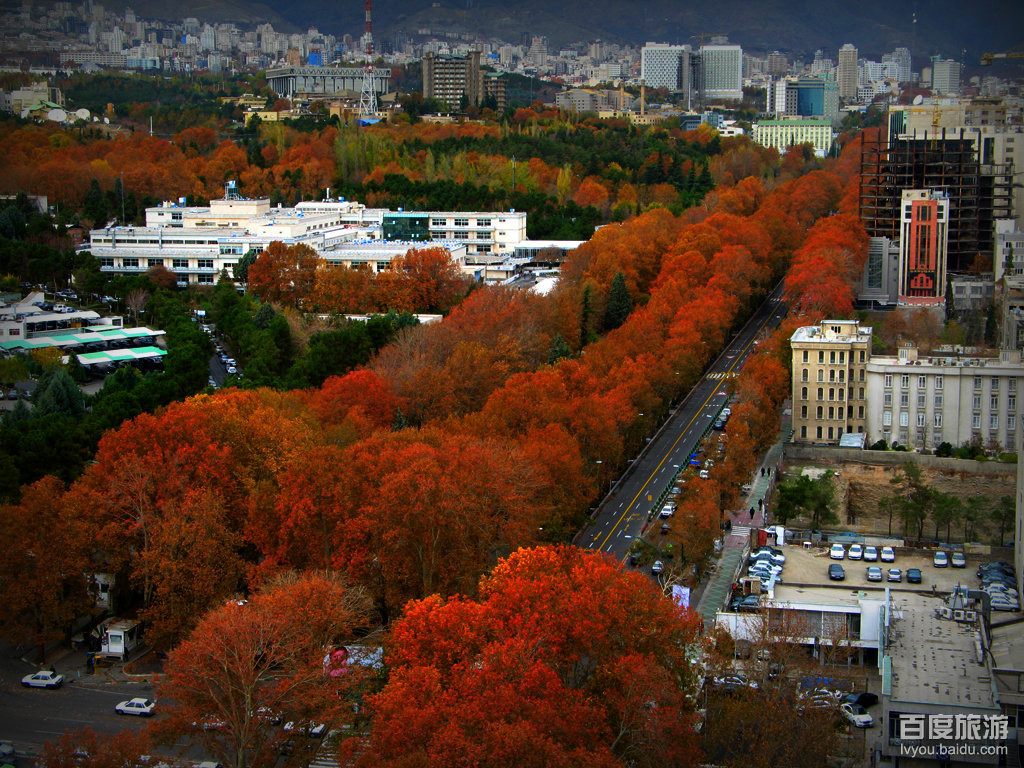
x=970 y=615
x=946 y=613
x=958 y=615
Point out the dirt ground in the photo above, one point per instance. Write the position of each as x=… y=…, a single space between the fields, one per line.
x=860 y=487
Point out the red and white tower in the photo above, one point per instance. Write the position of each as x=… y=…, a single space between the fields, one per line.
x=368 y=93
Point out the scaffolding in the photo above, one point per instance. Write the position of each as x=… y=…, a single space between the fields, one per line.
x=946 y=161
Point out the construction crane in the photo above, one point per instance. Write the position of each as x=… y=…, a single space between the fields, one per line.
x=987 y=58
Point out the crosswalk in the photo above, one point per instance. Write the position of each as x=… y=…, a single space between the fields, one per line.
x=740 y=530
x=722 y=375
x=328 y=754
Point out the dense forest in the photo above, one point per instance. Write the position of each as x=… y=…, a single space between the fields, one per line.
x=364 y=488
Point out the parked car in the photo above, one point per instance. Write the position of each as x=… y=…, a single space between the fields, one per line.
x=837 y=552
x=733 y=683
x=863 y=699
x=658 y=567
x=44 y=678
x=836 y=572
x=894 y=574
x=940 y=560
x=856 y=552
x=704 y=474
x=871 y=554
x=888 y=555
x=957 y=560
x=137 y=706
x=913 y=575
x=874 y=573
x=856 y=715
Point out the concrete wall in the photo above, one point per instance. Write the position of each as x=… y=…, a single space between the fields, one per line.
x=894 y=458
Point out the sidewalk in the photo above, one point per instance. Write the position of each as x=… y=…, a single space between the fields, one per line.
x=71 y=662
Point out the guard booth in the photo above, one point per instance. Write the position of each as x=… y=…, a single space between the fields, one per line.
x=119 y=637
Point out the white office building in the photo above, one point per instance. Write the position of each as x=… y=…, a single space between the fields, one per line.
x=721 y=68
x=663 y=65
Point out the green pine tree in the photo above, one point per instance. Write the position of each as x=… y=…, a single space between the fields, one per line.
x=559 y=350
x=620 y=303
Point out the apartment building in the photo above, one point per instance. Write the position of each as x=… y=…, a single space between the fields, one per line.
x=829 y=380
x=923 y=401
x=782 y=134
x=924 y=240
x=450 y=78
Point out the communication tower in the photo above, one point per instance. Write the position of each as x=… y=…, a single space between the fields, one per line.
x=368 y=93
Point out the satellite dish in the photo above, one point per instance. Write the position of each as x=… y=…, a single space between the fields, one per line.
x=57 y=116
x=82 y=114
x=918 y=100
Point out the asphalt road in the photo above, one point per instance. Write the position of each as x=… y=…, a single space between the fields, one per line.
x=29 y=717
x=623 y=514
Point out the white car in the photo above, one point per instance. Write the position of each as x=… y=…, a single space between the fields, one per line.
x=704 y=474
x=137 y=706
x=44 y=678
x=870 y=554
x=888 y=555
x=658 y=567
x=837 y=552
x=857 y=715
x=856 y=552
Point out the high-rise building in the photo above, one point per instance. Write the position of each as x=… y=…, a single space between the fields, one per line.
x=805 y=97
x=924 y=234
x=945 y=76
x=829 y=362
x=449 y=78
x=721 y=71
x=665 y=66
x=777 y=65
x=848 y=73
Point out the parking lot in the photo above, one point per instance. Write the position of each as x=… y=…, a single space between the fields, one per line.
x=805 y=566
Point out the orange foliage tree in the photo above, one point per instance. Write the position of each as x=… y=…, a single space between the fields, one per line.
x=284 y=273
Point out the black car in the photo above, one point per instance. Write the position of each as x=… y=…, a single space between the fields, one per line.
x=913 y=575
x=836 y=572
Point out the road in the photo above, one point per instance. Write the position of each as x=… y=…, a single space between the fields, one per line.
x=29 y=717
x=623 y=514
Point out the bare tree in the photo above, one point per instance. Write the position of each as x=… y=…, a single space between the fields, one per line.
x=135 y=302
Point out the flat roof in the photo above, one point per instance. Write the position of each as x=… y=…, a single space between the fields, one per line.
x=841 y=599
x=1007 y=646
x=933 y=659
x=83 y=337
x=114 y=355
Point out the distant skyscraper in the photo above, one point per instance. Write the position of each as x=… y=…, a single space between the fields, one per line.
x=901 y=56
x=449 y=78
x=721 y=68
x=945 y=76
x=665 y=66
x=777 y=64
x=848 y=73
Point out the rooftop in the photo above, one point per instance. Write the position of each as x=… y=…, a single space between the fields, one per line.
x=1007 y=646
x=934 y=660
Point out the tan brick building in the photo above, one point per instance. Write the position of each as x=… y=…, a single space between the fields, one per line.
x=829 y=380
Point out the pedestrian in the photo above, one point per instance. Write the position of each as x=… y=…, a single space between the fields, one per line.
x=760 y=503
x=751 y=513
x=762 y=471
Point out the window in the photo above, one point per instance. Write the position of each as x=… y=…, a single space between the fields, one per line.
x=860 y=393
x=831 y=412
x=831 y=394
x=130 y=263
x=842 y=375
x=819 y=433
x=888 y=379
x=886 y=418
x=977 y=382
x=842 y=357
x=904 y=400
x=904 y=418
x=1011 y=423
x=832 y=357
x=904 y=381
x=976 y=421
x=438 y=222
x=803 y=376
x=486 y=223
x=993 y=422
x=106 y=262
x=887 y=400
x=860 y=411
x=821 y=393
x=832 y=374
x=180 y=263
x=937 y=419
x=920 y=399
x=841 y=393
x=805 y=355
x=938 y=382
x=803 y=433
x=1011 y=385
x=820 y=411
x=922 y=382
x=1011 y=403
x=821 y=375
x=977 y=402
x=206 y=279
x=938 y=402
x=461 y=223
x=821 y=356
x=803 y=411
x=206 y=263
x=803 y=393
x=155 y=263
x=461 y=234
x=920 y=419
x=830 y=433
x=993 y=403
x=862 y=355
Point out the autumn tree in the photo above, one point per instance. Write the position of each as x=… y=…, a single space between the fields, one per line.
x=284 y=273
x=84 y=748
x=43 y=574
x=247 y=664
x=552 y=625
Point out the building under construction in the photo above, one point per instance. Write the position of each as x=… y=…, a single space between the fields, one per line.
x=948 y=162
